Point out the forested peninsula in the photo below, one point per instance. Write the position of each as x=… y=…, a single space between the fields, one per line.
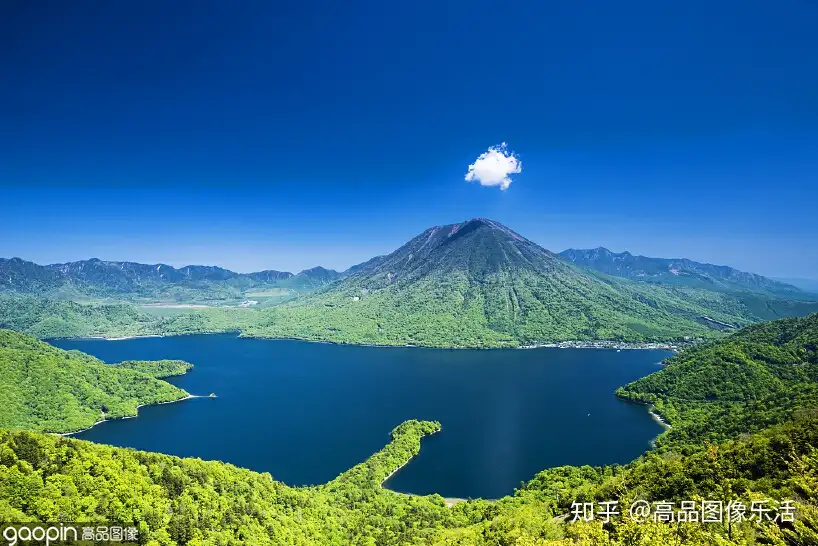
x=43 y=388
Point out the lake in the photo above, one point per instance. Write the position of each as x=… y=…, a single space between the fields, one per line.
x=305 y=412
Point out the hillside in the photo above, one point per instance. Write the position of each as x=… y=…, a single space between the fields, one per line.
x=310 y=279
x=189 y=501
x=48 y=389
x=478 y=283
x=678 y=272
x=46 y=318
x=753 y=379
x=98 y=279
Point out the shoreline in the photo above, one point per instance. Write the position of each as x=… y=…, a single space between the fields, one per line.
x=188 y=397
x=673 y=346
x=120 y=338
x=409 y=460
x=450 y=501
x=658 y=418
x=654 y=415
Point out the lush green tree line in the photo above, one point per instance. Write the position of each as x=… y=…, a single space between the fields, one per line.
x=157 y=368
x=48 y=389
x=751 y=380
x=503 y=310
x=189 y=501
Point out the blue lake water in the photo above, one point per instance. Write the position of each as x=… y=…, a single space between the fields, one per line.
x=306 y=412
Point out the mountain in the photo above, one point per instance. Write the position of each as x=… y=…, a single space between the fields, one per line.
x=807 y=285
x=49 y=389
x=96 y=278
x=471 y=284
x=310 y=279
x=478 y=283
x=22 y=276
x=679 y=271
x=478 y=248
x=270 y=276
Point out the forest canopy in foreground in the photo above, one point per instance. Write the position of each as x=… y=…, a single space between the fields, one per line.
x=172 y=501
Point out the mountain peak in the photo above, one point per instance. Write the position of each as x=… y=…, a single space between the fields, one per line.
x=477 y=248
x=486 y=222
x=482 y=221
x=319 y=270
x=476 y=224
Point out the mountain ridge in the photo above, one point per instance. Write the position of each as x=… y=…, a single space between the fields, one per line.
x=96 y=277
x=674 y=271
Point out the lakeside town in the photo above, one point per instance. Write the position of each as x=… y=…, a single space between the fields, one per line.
x=674 y=346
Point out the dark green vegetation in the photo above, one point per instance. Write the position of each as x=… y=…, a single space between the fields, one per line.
x=473 y=284
x=751 y=380
x=129 y=281
x=679 y=272
x=157 y=368
x=46 y=318
x=48 y=389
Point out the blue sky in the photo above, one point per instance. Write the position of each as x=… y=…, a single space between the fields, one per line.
x=261 y=134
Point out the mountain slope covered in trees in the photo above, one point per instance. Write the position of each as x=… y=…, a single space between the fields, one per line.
x=478 y=283
x=48 y=389
x=751 y=380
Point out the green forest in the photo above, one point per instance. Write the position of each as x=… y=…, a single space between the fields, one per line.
x=505 y=312
x=157 y=368
x=753 y=390
x=753 y=379
x=47 y=389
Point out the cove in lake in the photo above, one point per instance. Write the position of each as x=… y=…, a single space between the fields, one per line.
x=305 y=412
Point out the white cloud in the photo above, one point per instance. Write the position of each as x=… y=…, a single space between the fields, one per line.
x=492 y=168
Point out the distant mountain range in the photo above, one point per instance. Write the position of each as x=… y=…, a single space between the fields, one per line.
x=479 y=283
x=129 y=280
x=472 y=284
x=808 y=285
x=679 y=271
